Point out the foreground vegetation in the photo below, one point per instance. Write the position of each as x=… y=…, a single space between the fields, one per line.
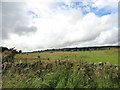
x=61 y=75
x=96 y=69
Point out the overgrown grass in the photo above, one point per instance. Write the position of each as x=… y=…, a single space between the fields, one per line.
x=82 y=75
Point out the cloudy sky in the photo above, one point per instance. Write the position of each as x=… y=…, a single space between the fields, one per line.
x=41 y=24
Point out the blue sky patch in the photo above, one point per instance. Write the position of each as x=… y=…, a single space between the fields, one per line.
x=33 y=14
x=86 y=8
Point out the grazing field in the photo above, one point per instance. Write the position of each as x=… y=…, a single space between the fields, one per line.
x=80 y=69
x=110 y=56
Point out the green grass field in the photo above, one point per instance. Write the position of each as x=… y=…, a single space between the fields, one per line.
x=110 y=56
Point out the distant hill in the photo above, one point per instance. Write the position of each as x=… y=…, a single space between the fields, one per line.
x=79 y=49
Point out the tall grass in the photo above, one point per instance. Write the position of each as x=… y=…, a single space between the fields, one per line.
x=82 y=74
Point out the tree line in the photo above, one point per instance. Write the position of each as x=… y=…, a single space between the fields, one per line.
x=80 y=49
x=2 y=49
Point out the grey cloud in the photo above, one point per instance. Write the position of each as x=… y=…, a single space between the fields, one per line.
x=22 y=30
x=5 y=34
x=15 y=19
x=0 y=22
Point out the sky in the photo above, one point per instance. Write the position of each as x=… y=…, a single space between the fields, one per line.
x=30 y=25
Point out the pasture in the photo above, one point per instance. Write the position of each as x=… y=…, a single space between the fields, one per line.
x=110 y=56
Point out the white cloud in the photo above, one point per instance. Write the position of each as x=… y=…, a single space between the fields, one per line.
x=105 y=3
x=57 y=28
x=106 y=37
